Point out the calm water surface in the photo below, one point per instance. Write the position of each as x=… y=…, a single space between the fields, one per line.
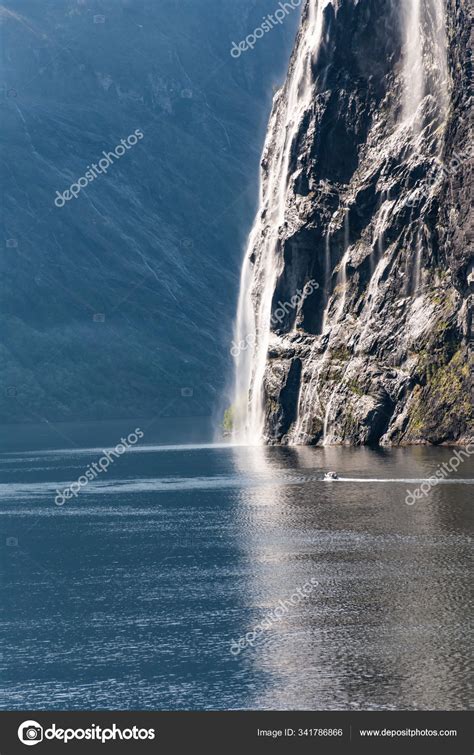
x=131 y=595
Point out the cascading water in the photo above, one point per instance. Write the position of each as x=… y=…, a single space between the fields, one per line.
x=425 y=65
x=413 y=73
x=417 y=266
x=258 y=279
x=327 y=276
x=342 y=275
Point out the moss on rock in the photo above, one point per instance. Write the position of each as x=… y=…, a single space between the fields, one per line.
x=442 y=407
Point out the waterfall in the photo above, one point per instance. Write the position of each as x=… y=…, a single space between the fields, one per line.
x=413 y=72
x=260 y=271
x=426 y=95
x=327 y=276
x=342 y=274
x=417 y=271
x=425 y=63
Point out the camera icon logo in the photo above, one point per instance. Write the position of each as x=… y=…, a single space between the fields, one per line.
x=30 y=732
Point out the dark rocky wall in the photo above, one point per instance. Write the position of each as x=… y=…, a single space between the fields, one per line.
x=384 y=349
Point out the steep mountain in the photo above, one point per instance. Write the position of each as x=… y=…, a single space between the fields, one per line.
x=355 y=311
x=119 y=302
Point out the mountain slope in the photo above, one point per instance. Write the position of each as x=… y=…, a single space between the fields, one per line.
x=119 y=302
x=366 y=181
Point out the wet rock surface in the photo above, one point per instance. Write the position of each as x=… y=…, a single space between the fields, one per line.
x=377 y=212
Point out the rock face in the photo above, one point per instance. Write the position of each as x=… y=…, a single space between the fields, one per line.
x=376 y=214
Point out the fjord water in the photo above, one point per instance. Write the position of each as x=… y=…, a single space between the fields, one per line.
x=130 y=596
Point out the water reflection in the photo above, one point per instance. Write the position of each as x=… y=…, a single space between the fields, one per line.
x=386 y=626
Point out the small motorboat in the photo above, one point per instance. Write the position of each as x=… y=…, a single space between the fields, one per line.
x=330 y=476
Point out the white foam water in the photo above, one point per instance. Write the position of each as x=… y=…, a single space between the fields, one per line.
x=258 y=278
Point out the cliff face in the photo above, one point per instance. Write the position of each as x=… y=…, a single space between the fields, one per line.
x=376 y=201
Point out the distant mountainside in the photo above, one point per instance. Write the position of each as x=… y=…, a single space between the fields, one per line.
x=355 y=313
x=119 y=302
